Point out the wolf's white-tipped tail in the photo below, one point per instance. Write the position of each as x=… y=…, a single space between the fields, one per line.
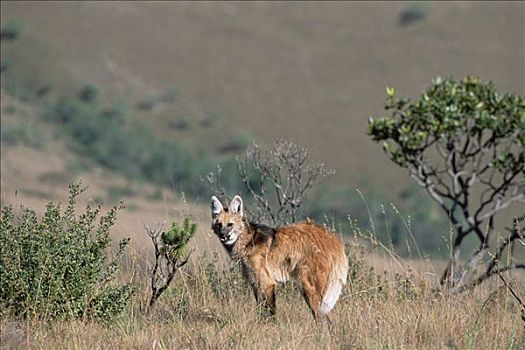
x=337 y=280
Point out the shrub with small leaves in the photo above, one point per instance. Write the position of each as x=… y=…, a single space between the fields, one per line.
x=171 y=253
x=58 y=266
x=175 y=240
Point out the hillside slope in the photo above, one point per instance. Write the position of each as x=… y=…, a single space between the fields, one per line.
x=32 y=173
x=310 y=71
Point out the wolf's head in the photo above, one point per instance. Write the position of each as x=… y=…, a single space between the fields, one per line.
x=228 y=224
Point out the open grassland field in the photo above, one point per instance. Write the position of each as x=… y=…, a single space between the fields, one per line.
x=388 y=302
x=210 y=307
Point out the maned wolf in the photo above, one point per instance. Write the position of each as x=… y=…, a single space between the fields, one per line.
x=305 y=251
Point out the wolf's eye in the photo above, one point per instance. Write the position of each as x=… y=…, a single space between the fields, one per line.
x=230 y=224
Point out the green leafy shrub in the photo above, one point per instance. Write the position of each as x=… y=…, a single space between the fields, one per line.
x=57 y=266
x=177 y=237
x=171 y=253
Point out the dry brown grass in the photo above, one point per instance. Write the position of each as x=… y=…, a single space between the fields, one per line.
x=387 y=304
x=316 y=60
x=210 y=307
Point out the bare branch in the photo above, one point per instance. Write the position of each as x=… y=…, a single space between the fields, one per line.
x=485 y=276
x=285 y=174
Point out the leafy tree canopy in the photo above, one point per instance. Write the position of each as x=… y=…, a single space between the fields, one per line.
x=463 y=142
x=450 y=110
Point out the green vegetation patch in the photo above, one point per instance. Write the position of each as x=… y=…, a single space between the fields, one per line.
x=118 y=141
x=57 y=266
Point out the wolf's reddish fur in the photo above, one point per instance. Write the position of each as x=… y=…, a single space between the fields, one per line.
x=305 y=251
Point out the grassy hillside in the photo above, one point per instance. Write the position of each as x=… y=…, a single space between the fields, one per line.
x=312 y=72
x=37 y=163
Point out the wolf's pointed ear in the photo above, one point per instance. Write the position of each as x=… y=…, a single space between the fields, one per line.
x=216 y=206
x=236 y=206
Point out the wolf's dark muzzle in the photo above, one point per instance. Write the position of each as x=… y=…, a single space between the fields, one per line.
x=222 y=232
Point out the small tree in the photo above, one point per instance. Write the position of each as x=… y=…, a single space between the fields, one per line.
x=464 y=143
x=171 y=253
x=277 y=179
